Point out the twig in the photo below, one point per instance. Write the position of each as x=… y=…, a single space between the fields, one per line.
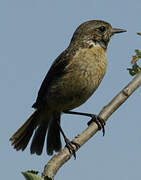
x=63 y=156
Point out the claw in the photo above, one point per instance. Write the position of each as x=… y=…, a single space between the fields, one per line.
x=69 y=145
x=99 y=121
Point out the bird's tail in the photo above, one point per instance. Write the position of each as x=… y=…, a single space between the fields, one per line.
x=53 y=138
x=40 y=121
x=22 y=136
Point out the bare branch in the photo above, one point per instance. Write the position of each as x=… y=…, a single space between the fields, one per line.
x=63 y=156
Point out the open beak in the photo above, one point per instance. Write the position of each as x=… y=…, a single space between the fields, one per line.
x=116 y=30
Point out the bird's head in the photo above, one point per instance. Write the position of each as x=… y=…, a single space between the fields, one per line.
x=95 y=32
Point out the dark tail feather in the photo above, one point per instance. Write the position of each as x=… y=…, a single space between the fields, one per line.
x=22 y=136
x=53 y=138
x=39 y=139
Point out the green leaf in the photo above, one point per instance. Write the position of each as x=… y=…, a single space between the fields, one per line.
x=131 y=72
x=138 y=53
x=134 y=70
x=31 y=175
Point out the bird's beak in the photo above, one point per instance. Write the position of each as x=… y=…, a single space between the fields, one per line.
x=116 y=30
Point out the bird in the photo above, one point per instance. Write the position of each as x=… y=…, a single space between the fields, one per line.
x=72 y=78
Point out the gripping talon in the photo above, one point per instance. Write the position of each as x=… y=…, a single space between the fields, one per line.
x=69 y=145
x=99 y=121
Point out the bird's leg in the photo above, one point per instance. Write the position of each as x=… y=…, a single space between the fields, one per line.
x=69 y=144
x=95 y=118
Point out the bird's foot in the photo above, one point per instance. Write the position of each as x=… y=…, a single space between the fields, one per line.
x=99 y=121
x=69 y=145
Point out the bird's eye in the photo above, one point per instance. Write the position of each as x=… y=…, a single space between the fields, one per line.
x=102 y=28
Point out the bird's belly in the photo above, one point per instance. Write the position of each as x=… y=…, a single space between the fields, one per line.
x=83 y=91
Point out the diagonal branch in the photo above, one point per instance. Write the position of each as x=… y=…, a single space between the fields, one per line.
x=63 y=156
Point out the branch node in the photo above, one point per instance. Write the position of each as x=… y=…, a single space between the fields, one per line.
x=126 y=92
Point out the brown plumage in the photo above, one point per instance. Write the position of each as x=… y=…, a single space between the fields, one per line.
x=71 y=80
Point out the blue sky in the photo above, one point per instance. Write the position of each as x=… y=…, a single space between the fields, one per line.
x=32 y=34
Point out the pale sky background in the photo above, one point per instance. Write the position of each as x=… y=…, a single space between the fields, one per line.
x=32 y=34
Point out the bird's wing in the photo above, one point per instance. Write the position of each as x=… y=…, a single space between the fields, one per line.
x=57 y=70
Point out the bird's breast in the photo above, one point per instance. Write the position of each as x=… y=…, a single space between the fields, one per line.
x=89 y=65
x=85 y=73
